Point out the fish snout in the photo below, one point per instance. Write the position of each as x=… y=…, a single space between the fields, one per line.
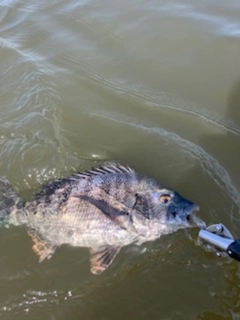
x=183 y=212
x=187 y=211
x=193 y=219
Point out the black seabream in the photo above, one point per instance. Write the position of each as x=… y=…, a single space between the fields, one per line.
x=103 y=209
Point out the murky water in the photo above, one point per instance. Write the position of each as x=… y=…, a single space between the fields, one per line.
x=154 y=84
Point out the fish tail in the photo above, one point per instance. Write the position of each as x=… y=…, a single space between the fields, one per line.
x=9 y=198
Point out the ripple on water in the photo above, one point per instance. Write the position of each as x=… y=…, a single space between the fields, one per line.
x=165 y=100
x=31 y=117
x=77 y=45
x=208 y=163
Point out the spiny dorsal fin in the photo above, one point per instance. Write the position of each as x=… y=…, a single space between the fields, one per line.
x=114 y=168
x=102 y=257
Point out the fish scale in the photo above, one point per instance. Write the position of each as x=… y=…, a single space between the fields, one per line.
x=103 y=209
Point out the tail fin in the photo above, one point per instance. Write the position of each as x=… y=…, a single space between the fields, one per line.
x=8 y=199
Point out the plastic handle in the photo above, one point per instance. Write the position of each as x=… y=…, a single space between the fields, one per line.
x=233 y=250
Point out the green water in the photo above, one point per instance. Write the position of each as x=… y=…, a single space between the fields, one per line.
x=152 y=84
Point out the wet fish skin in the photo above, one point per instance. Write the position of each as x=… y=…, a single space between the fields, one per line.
x=103 y=209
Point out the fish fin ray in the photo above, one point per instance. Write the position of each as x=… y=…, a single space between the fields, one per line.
x=41 y=247
x=101 y=258
x=113 y=168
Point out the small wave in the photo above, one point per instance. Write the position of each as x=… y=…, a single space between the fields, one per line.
x=208 y=15
x=137 y=91
x=23 y=305
x=208 y=163
x=31 y=114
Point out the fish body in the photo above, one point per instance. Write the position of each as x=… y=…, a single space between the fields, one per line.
x=103 y=209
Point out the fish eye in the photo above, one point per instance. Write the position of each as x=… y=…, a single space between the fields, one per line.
x=165 y=198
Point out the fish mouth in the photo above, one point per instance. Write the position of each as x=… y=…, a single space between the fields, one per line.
x=191 y=210
x=182 y=212
x=193 y=219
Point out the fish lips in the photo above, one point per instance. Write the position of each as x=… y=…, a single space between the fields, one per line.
x=185 y=215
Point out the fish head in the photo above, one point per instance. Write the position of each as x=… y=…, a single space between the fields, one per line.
x=170 y=208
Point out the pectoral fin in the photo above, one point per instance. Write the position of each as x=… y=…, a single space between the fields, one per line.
x=102 y=257
x=41 y=247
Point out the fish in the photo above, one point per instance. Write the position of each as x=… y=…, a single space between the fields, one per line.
x=103 y=209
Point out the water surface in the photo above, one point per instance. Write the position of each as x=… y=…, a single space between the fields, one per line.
x=152 y=84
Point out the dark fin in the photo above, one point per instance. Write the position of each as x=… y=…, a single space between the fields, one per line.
x=102 y=257
x=8 y=198
x=114 y=168
x=41 y=247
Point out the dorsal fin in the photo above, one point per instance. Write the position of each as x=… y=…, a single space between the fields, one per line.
x=114 y=168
